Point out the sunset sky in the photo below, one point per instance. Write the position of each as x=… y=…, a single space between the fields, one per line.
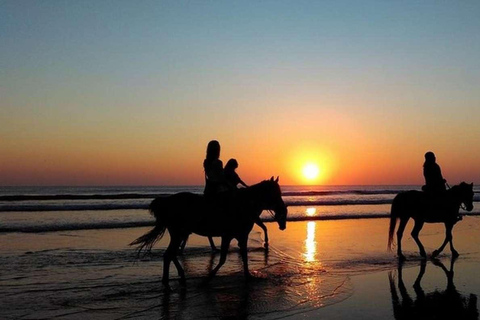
x=130 y=93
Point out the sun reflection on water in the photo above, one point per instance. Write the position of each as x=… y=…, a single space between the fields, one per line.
x=311 y=212
x=310 y=243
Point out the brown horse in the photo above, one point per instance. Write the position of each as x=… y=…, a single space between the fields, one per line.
x=230 y=217
x=423 y=207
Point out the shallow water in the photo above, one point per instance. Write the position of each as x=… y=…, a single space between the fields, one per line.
x=97 y=283
x=94 y=274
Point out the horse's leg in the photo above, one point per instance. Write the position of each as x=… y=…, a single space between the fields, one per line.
x=417 y=286
x=181 y=272
x=394 y=293
x=415 y=232
x=242 y=242
x=168 y=256
x=183 y=243
x=223 y=255
x=450 y=235
x=448 y=238
x=212 y=244
x=260 y=223
x=401 y=285
x=401 y=228
x=176 y=241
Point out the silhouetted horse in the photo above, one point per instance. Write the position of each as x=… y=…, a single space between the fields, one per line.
x=447 y=304
x=257 y=221
x=185 y=213
x=424 y=207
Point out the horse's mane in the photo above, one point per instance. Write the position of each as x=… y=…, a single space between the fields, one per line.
x=258 y=187
x=459 y=187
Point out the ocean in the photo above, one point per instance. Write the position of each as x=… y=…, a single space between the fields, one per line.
x=44 y=209
x=88 y=270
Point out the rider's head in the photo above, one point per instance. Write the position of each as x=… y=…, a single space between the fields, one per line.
x=430 y=156
x=213 y=150
x=232 y=164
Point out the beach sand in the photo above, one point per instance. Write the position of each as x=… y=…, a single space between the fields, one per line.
x=315 y=269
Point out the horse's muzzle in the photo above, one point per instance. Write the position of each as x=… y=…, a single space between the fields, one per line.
x=469 y=207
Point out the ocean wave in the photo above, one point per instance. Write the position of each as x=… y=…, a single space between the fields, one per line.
x=122 y=196
x=67 y=207
x=73 y=227
x=126 y=206
x=339 y=202
x=126 y=196
x=37 y=228
x=144 y=206
x=340 y=192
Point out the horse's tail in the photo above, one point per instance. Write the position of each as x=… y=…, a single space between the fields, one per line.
x=148 y=240
x=158 y=206
x=393 y=222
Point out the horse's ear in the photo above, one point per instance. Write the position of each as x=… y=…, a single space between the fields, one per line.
x=471 y=184
x=271 y=179
x=276 y=180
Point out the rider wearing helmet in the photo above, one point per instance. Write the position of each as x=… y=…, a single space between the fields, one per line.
x=434 y=181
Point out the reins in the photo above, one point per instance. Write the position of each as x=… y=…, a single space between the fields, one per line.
x=462 y=206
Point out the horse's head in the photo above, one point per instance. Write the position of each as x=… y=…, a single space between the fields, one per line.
x=273 y=201
x=466 y=195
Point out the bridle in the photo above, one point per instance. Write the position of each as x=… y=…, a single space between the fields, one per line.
x=462 y=205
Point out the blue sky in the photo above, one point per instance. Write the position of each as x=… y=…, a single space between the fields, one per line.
x=171 y=75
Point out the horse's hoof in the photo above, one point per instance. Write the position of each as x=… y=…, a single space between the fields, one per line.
x=167 y=287
x=402 y=258
x=265 y=245
x=211 y=275
x=435 y=253
x=455 y=254
x=183 y=282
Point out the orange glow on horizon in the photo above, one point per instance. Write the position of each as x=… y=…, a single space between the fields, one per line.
x=310 y=164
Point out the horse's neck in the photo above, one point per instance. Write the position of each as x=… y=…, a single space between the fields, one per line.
x=253 y=195
x=255 y=191
x=454 y=194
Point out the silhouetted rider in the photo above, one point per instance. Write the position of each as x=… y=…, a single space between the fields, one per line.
x=231 y=176
x=434 y=181
x=214 y=178
x=215 y=183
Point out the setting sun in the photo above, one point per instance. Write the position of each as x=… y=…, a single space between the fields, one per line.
x=311 y=171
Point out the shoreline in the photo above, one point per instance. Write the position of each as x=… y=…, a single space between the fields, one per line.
x=330 y=269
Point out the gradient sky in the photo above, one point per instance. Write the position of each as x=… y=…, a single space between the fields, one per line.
x=130 y=92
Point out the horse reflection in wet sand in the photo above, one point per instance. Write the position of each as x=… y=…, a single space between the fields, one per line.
x=423 y=207
x=447 y=304
x=234 y=217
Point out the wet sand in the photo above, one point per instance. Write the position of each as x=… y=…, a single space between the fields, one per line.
x=315 y=269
